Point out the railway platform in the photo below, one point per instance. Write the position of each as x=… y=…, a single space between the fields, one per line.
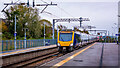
x=13 y=52
x=96 y=55
x=11 y=58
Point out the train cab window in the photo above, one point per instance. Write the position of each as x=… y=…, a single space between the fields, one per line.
x=65 y=36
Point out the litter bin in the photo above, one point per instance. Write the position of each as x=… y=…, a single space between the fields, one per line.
x=46 y=44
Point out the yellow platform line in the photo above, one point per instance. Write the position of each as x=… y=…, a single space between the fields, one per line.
x=71 y=57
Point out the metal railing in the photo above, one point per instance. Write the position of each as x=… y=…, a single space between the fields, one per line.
x=9 y=44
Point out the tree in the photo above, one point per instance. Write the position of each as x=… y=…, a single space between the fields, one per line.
x=84 y=31
x=4 y=27
x=0 y=26
x=48 y=28
x=76 y=29
x=48 y=23
x=24 y=15
x=60 y=27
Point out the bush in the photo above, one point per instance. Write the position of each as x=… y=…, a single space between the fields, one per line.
x=7 y=35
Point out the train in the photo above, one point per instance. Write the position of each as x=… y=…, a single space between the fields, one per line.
x=70 y=40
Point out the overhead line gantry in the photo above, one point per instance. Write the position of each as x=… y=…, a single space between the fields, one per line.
x=69 y=20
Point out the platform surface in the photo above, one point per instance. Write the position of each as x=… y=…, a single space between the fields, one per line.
x=89 y=56
x=7 y=53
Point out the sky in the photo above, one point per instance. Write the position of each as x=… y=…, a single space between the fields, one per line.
x=102 y=13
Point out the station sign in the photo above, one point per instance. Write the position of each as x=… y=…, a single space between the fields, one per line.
x=15 y=34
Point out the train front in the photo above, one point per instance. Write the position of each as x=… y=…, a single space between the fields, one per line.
x=65 y=40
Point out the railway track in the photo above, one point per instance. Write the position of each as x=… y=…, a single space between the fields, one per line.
x=46 y=59
x=22 y=59
x=37 y=60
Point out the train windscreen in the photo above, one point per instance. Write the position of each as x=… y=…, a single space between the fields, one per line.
x=65 y=36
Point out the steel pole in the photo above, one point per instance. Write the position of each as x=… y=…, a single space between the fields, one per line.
x=118 y=35
x=105 y=36
x=108 y=36
x=112 y=37
x=44 y=33
x=114 y=34
x=80 y=21
x=25 y=38
x=15 y=34
x=53 y=27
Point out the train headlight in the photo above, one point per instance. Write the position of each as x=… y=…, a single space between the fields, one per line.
x=71 y=44
x=58 y=44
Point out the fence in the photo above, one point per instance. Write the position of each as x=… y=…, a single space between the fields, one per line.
x=9 y=44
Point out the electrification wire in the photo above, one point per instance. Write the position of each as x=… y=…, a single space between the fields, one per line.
x=61 y=10
x=51 y=14
x=17 y=1
x=58 y=7
x=65 y=11
x=67 y=14
x=44 y=2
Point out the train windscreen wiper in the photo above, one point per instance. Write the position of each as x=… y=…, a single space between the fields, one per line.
x=62 y=38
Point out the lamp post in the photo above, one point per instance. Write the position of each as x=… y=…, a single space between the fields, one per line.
x=15 y=34
x=44 y=33
x=113 y=33
x=25 y=35
x=117 y=26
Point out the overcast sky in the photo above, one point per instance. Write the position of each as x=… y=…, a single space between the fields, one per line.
x=102 y=13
